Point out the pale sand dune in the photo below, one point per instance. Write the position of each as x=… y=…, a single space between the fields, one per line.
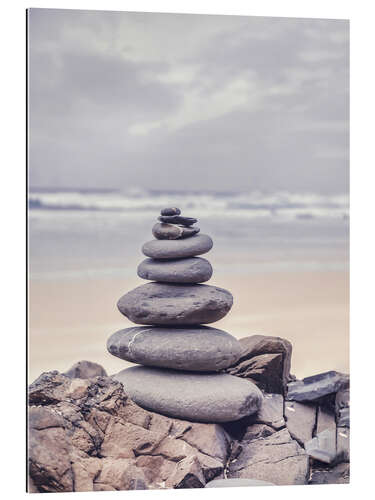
x=71 y=320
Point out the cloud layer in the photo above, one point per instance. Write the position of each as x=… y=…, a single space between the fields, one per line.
x=188 y=101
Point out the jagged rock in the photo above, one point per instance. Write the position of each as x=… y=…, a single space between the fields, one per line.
x=263 y=370
x=87 y=435
x=266 y=361
x=236 y=482
x=343 y=417
x=49 y=387
x=211 y=397
x=300 y=420
x=49 y=449
x=196 y=348
x=167 y=304
x=340 y=474
x=187 y=474
x=317 y=386
x=256 y=431
x=323 y=446
x=85 y=369
x=343 y=444
x=326 y=420
x=120 y=474
x=271 y=413
x=277 y=459
x=342 y=411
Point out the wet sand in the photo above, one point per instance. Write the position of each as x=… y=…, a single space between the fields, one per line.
x=71 y=320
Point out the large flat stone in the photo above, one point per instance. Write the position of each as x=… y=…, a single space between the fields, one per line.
x=172 y=304
x=300 y=420
x=191 y=396
x=317 y=386
x=236 y=482
x=178 y=249
x=190 y=270
x=196 y=349
x=277 y=459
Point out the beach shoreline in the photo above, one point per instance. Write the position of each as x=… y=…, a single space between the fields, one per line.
x=71 y=320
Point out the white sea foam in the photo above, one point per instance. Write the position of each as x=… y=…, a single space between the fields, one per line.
x=137 y=201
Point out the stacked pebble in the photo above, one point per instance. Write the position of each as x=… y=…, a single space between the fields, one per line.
x=181 y=358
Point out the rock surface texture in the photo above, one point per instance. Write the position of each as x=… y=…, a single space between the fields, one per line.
x=175 y=305
x=89 y=435
x=199 y=348
x=190 y=270
x=266 y=361
x=178 y=249
x=214 y=397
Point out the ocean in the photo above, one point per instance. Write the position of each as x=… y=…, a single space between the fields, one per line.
x=91 y=233
x=283 y=256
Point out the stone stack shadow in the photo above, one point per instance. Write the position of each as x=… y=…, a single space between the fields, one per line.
x=180 y=358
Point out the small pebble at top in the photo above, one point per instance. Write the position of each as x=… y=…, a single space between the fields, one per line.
x=170 y=211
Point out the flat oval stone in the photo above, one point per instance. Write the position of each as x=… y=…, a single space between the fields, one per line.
x=189 y=270
x=236 y=481
x=170 y=211
x=196 y=349
x=178 y=219
x=167 y=304
x=178 y=249
x=208 y=397
x=163 y=231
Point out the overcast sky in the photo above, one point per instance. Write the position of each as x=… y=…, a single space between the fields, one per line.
x=188 y=101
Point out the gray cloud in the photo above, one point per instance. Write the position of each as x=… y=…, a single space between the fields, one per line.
x=152 y=100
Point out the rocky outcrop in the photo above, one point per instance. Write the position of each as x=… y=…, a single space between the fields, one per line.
x=86 y=434
x=276 y=458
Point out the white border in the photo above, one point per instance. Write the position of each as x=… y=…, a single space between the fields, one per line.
x=12 y=413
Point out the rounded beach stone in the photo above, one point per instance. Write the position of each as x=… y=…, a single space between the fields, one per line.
x=177 y=219
x=163 y=231
x=187 y=232
x=196 y=348
x=208 y=397
x=172 y=304
x=178 y=249
x=190 y=270
x=234 y=481
x=170 y=211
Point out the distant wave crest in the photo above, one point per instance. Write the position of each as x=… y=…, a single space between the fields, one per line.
x=256 y=204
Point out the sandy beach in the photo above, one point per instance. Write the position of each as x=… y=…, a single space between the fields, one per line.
x=71 y=320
